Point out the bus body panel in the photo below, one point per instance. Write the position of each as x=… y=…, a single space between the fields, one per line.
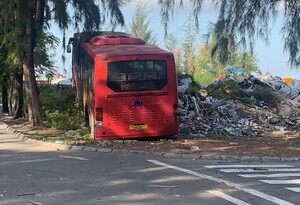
x=124 y=114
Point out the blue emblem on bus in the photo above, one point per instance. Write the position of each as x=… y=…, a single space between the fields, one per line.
x=138 y=103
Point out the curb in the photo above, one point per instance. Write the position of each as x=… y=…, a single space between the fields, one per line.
x=64 y=147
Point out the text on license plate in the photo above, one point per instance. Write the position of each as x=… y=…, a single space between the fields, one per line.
x=138 y=127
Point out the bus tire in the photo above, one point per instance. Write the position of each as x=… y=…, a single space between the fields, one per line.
x=92 y=125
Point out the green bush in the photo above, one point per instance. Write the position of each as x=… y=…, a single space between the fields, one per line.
x=227 y=89
x=181 y=75
x=266 y=94
x=203 y=78
x=57 y=106
x=65 y=120
x=52 y=99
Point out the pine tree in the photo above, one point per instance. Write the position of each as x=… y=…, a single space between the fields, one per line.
x=242 y=21
x=27 y=21
x=140 y=24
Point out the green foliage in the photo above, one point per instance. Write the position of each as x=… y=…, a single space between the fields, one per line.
x=139 y=25
x=181 y=75
x=266 y=94
x=247 y=100
x=240 y=22
x=246 y=61
x=65 y=120
x=231 y=90
x=210 y=62
x=172 y=43
x=53 y=99
x=84 y=132
x=42 y=58
x=295 y=143
x=58 y=108
x=203 y=77
x=188 y=46
x=228 y=89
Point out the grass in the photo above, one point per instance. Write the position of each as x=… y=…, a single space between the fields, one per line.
x=81 y=138
x=295 y=143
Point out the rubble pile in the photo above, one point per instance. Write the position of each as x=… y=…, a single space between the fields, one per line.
x=201 y=114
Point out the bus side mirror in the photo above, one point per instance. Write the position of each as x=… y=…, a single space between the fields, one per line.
x=69 y=49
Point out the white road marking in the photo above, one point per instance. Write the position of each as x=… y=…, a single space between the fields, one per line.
x=292 y=181
x=294 y=189
x=227 y=197
x=260 y=170
x=270 y=175
x=228 y=183
x=72 y=157
x=246 y=166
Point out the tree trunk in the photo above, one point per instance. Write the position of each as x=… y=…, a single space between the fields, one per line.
x=10 y=97
x=34 y=113
x=18 y=87
x=5 y=95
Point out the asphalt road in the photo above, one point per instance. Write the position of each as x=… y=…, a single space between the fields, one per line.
x=31 y=174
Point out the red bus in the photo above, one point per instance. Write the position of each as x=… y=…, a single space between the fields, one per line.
x=126 y=87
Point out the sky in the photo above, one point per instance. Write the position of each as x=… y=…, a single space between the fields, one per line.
x=271 y=57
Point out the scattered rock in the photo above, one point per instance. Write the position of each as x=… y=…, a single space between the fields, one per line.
x=184 y=84
x=195 y=148
x=71 y=133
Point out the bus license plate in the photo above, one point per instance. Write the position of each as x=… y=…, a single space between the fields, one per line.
x=138 y=127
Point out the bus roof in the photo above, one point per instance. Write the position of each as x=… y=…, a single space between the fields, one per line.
x=123 y=50
x=120 y=44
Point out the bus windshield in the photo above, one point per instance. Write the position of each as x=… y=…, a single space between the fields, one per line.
x=138 y=75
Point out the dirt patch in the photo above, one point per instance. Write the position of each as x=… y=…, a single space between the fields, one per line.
x=279 y=143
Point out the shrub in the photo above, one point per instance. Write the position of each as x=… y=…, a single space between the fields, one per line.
x=65 y=120
x=52 y=99
x=203 y=78
x=228 y=89
x=58 y=108
x=181 y=75
x=266 y=94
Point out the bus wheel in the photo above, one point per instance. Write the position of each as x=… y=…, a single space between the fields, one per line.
x=92 y=126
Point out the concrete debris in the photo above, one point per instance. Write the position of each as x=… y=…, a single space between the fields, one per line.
x=291 y=91
x=71 y=133
x=184 y=84
x=195 y=148
x=201 y=114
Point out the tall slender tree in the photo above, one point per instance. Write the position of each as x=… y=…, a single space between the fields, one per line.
x=241 y=21
x=140 y=24
x=32 y=18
